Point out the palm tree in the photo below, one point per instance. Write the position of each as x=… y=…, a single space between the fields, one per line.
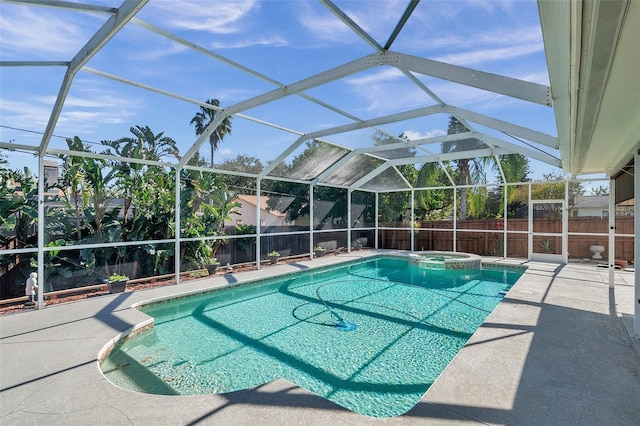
x=466 y=167
x=204 y=117
x=145 y=145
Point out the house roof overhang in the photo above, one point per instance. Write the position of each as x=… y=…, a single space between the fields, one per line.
x=593 y=60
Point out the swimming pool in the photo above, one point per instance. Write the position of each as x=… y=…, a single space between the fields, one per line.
x=409 y=323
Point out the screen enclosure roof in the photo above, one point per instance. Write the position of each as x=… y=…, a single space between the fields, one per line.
x=339 y=93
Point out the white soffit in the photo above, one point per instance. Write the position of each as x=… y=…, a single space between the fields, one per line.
x=594 y=62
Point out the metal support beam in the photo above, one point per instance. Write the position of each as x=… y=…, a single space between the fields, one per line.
x=413 y=220
x=455 y=219
x=538 y=155
x=525 y=90
x=60 y=4
x=178 y=228
x=311 y=222
x=349 y=218
x=271 y=166
x=450 y=156
x=377 y=218
x=41 y=229
x=258 y=221
x=34 y=63
x=183 y=98
x=114 y=24
x=507 y=127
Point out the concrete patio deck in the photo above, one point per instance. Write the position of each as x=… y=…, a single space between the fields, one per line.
x=554 y=352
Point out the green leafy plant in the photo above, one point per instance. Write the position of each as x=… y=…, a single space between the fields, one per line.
x=116 y=277
x=546 y=246
x=274 y=253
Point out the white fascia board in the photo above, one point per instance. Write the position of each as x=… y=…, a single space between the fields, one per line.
x=509 y=128
x=114 y=24
x=525 y=90
x=560 y=24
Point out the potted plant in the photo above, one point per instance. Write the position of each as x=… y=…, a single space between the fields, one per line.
x=212 y=265
x=273 y=257
x=319 y=251
x=117 y=283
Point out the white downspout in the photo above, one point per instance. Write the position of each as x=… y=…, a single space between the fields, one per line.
x=636 y=242
x=612 y=232
x=565 y=225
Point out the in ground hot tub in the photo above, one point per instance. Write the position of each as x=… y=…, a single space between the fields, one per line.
x=445 y=260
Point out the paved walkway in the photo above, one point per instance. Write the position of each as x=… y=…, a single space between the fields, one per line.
x=554 y=352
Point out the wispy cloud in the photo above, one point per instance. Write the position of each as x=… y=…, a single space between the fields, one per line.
x=377 y=18
x=272 y=40
x=85 y=111
x=167 y=48
x=416 y=134
x=475 y=57
x=386 y=91
x=323 y=25
x=384 y=75
x=220 y=17
x=25 y=113
x=37 y=32
x=493 y=38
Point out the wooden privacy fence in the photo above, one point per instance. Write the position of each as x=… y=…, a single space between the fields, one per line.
x=439 y=236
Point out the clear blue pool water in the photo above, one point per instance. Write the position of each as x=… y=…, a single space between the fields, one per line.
x=409 y=322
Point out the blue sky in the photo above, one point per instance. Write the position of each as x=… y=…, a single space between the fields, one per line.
x=284 y=40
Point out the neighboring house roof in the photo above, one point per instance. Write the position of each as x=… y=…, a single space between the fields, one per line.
x=597 y=202
x=253 y=200
x=591 y=202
